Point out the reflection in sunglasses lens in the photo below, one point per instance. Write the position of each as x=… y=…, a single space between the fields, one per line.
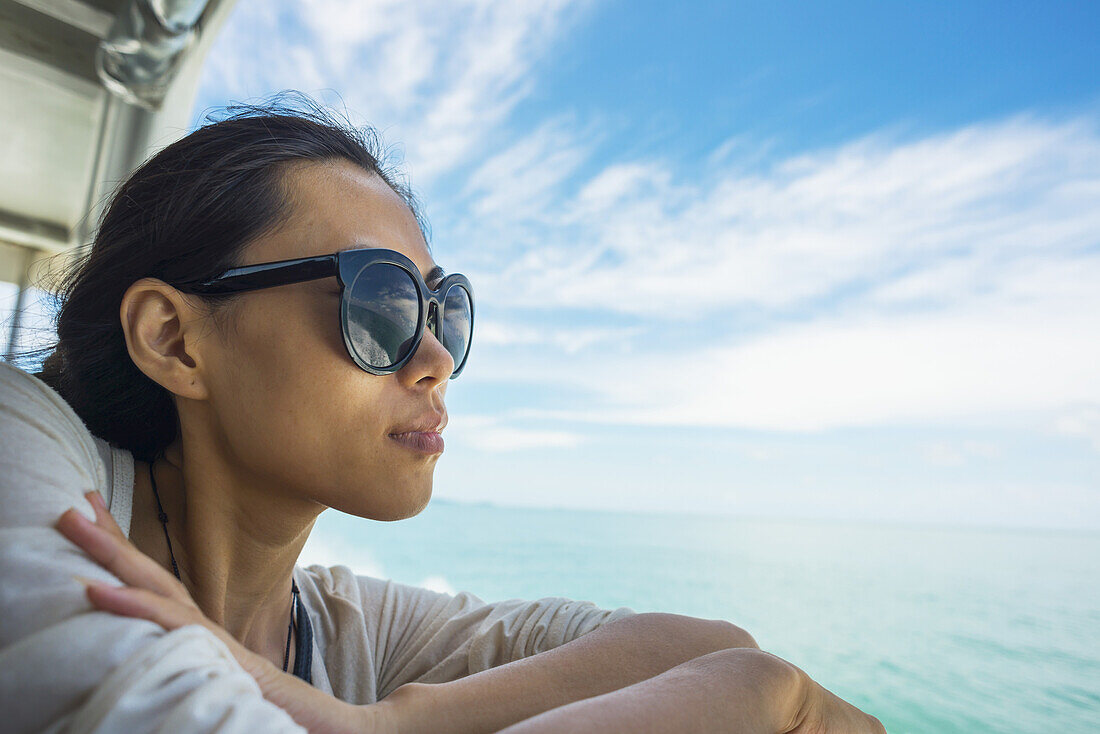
x=383 y=312
x=456 y=323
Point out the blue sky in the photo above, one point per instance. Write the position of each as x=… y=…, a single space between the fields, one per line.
x=759 y=258
x=785 y=259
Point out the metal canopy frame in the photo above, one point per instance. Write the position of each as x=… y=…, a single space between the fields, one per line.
x=91 y=88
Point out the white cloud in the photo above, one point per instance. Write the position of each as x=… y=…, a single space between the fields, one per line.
x=858 y=370
x=815 y=226
x=1083 y=421
x=520 y=180
x=952 y=277
x=495 y=435
x=568 y=340
x=441 y=75
x=886 y=280
x=958 y=453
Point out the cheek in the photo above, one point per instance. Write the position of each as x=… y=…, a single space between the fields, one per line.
x=293 y=409
x=291 y=399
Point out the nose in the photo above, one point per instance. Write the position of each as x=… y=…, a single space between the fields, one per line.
x=432 y=361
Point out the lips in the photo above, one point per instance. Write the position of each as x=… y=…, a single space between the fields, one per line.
x=427 y=423
x=428 y=443
x=422 y=435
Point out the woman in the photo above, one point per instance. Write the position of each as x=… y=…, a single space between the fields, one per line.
x=260 y=333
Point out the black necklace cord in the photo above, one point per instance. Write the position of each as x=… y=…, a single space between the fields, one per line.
x=286 y=655
x=303 y=629
x=294 y=599
x=163 y=517
x=293 y=622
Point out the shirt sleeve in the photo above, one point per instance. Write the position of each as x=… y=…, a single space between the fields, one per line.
x=64 y=665
x=430 y=637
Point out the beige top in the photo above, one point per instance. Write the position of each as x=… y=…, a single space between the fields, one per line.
x=65 y=666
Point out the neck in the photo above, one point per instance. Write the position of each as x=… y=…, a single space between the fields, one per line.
x=235 y=537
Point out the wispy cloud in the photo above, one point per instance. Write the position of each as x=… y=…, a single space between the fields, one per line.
x=569 y=340
x=441 y=75
x=821 y=225
x=897 y=279
x=998 y=356
x=1082 y=421
x=495 y=434
x=958 y=453
x=882 y=281
x=523 y=180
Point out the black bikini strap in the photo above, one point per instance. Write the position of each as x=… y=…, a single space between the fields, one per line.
x=303 y=651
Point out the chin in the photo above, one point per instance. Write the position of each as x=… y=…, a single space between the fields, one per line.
x=401 y=507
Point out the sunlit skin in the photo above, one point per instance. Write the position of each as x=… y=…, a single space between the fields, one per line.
x=277 y=422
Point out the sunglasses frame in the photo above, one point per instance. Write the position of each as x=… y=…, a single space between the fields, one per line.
x=346 y=265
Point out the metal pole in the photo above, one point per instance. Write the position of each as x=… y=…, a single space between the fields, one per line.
x=20 y=302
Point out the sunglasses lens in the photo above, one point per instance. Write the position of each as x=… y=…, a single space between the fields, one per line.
x=383 y=312
x=457 y=318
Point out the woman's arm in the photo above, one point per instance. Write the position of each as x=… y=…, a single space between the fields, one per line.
x=606 y=659
x=565 y=689
x=64 y=665
x=736 y=691
x=154 y=594
x=423 y=636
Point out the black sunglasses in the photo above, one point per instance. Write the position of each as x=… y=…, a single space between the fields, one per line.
x=384 y=311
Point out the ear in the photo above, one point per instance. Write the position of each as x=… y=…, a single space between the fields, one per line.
x=162 y=331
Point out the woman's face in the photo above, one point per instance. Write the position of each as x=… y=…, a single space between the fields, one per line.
x=293 y=411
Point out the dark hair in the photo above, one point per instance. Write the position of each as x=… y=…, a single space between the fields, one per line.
x=186 y=215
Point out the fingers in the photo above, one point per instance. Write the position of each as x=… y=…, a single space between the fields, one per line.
x=142 y=604
x=118 y=555
x=166 y=612
x=103 y=517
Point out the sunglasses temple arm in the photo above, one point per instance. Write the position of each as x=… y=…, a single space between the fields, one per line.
x=268 y=275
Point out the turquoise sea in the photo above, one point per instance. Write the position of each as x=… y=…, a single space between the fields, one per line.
x=931 y=629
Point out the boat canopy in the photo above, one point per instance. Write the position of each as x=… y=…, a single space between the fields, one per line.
x=90 y=89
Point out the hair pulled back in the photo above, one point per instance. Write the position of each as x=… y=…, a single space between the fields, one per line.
x=185 y=215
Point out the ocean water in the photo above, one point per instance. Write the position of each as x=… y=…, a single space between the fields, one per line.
x=939 y=630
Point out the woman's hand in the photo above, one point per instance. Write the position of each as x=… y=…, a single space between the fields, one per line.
x=740 y=690
x=152 y=593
